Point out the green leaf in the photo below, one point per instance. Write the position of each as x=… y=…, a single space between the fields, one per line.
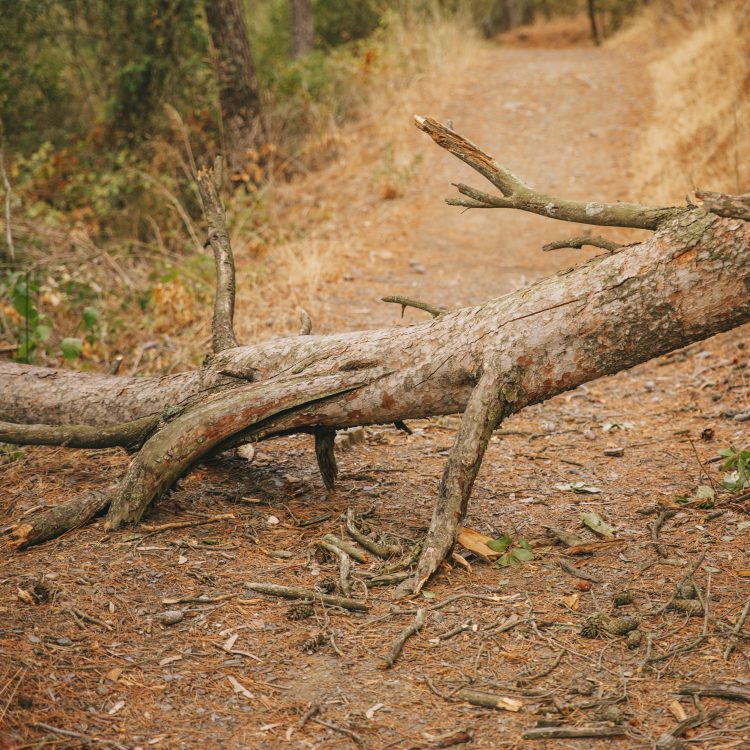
x=597 y=524
x=428 y=594
x=501 y=544
x=523 y=543
x=90 y=317
x=522 y=555
x=506 y=560
x=71 y=348
x=42 y=332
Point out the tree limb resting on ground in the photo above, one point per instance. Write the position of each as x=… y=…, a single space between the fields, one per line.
x=688 y=281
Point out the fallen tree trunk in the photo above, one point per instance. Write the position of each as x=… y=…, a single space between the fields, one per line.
x=688 y=281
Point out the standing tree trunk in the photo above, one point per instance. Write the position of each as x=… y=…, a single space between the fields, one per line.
x=239 y=93
x=301 y=27
x=688 y=281
x=592 y=20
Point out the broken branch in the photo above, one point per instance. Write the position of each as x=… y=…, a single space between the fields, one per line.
x=222 y=326
x=577 y=243
x=517 y=194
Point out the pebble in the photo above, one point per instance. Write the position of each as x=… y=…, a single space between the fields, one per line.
x=614 y=451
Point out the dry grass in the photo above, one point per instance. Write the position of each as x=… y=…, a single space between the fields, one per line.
x=373 y=169
x=697 y=136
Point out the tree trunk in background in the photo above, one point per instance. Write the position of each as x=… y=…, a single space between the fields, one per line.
x=239 y=93
x=301 y=27
x=592 y=19
x=507 y=14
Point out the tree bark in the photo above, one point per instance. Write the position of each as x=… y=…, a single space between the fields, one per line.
x=686 y=282
x=301 y=28
x=239 y=92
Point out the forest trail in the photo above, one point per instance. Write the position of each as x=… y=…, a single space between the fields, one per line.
x=238 y=670
x=564 y=120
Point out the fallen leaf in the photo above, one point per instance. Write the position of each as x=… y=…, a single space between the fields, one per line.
x=597 y=524
x=476 y=543
x=25 y=596
x=114 y=674
x=229 y=644
x=573 y=601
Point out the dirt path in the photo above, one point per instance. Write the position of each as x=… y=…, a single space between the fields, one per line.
x=565 y=120
x=240 y=670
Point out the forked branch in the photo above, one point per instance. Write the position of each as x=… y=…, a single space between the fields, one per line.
x=222 y=328
x=517 y=194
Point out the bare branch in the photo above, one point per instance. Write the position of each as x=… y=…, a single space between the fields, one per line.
x=306 y=321
x=209 y=183
x=408 y=302
x=731 y=206
x=128 y=434
x=576 y=243
x=517 y=194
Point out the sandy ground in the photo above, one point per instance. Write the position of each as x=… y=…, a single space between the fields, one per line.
x=84 y=646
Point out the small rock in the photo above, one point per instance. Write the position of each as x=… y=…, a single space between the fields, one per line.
x=589 y=435
x=649 y=385
x=614 y=451
x=63 y=641
x=171 y=617
x=742 y=417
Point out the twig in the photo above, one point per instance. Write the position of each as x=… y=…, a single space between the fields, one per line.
x=408 y=302
x=544 y=672
x=158 y=528
x=350 y=549
x=457 y=597
x=398 y=644
x=677 y=651
x=736 y=630
x=666 y=740
x=343 y=730
x=489 y=700
x=295 y=592
x=78 y=735
x=77 y=613
x=371 y=545
x=693 y=568
x=314 y=520
x=562 y=733
x=577 y=572
x=706 y=604
x=716 y=690
x=577 y=243
x=656 y=528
